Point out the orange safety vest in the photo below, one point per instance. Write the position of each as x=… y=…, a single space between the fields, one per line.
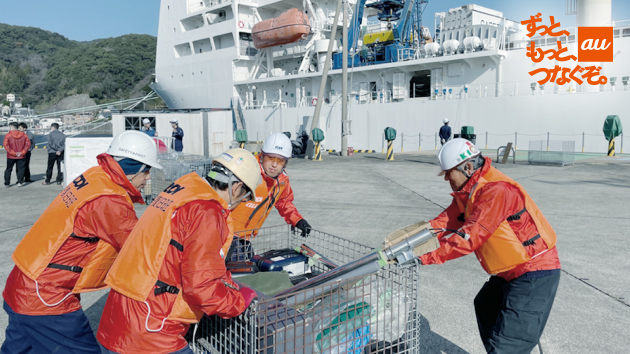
x=135 y=273
x=504 y=250
x=252 y=215
x=36 y=250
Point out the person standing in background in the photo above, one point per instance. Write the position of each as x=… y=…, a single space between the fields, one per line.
x=27 y=158
x=56 y=146
x=16 y=144
x=445 y=132
x=178 y=134
x=146 y=128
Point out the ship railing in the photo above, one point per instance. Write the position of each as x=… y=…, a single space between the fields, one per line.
x=405 y=54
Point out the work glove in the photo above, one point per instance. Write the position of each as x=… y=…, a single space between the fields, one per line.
x=248 y=294
x=304 y=226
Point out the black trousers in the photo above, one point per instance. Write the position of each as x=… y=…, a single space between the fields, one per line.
x=27 y=166
x=52 y=159
x=511 y=316
x=19 y=169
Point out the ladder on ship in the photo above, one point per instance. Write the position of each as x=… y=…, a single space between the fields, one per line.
x=237 y=115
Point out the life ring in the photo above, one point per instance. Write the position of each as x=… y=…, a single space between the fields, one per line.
x=314 y=101
x=241 y=24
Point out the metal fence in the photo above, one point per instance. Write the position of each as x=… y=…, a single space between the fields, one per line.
x=175 y=165
x=376 y=313
x=551 y=152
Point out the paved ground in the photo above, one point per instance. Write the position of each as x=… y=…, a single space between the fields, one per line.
x=363 y=198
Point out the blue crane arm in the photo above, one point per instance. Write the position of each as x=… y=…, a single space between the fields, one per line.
x=403 y=26
x=354 y=28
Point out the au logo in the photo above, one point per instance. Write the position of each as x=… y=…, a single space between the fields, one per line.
x=595 y=44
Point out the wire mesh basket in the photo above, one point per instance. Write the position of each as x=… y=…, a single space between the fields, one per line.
x=551 y=152
x=376 y=313
x=175 y=165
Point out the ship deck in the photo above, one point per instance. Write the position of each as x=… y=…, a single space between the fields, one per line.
x=364 y=198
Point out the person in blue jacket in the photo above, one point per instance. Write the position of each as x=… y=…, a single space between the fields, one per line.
x=445 y=132
x=147 y=129
x=178 y=134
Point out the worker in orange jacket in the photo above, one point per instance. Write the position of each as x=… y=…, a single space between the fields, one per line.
x=275 y=191
x=70 y=248
x=494 y=217
x=172 y=269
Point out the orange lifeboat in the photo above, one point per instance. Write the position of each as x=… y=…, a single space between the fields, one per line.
x=291 y=26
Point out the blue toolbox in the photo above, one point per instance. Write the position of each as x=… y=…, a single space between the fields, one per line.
x=285 y=259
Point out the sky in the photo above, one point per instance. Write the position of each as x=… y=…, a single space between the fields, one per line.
x=85 y=20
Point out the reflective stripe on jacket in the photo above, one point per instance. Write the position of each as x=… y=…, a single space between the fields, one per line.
x=272 y=192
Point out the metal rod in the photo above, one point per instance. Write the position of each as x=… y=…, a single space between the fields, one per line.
x=583 y=134
x=344 y=83
x=515 y=139
x=547 y=141
x=402 y=142
x=419 y=141
x=322 y=85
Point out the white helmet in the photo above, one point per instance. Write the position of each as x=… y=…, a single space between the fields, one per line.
x=242 y=164
x=454 y=152
x=135 y=145
x=146 y=121
x=279 y=144
x=445 y=120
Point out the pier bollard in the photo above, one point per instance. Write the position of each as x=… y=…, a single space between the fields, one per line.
x=390 y=136
x=318 y=136
x=611 y=147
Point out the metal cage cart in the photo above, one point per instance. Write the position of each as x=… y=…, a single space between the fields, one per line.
x=175 y=165
x=376 y=313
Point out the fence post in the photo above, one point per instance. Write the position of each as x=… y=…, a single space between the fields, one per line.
x=383 y=143
x=515 y=138
x=583 y=134
x=420 y=142
x=547 y=141
x=402 y=142
x=435 y=141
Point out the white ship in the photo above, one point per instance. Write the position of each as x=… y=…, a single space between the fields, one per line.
x=471 y=67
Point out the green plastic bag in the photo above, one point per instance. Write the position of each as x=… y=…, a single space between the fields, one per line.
x=241 y=136
x=612 y=127
x=390 y=134
x=318 y=134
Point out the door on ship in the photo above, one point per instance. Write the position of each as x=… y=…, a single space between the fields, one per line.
x=420 y=84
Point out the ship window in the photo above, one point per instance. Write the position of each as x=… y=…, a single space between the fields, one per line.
x=182 y=50
x=616 y=33
x=135 y=123
x=202 y=46
x=192 y=23
x=218 y=16
x=487 y=33
x=625 y=32
x=224 y=41
x=246 y=44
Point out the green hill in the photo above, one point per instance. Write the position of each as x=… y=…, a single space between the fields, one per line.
x=44 y=67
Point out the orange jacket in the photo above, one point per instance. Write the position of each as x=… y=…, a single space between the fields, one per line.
x=485 y=217
x=16 y=141
x=178 y=243
x=77 y=210
x=272 y=192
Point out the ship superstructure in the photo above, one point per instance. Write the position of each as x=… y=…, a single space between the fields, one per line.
x=472 y=68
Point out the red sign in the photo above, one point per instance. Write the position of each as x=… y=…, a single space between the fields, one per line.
x=595 y=44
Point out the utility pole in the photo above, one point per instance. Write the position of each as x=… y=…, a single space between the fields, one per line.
x=344 y=83
x=322 y=85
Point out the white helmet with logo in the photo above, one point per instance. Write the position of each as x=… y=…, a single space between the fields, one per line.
x=445 y=120
x=135 y=145
x=455 y=152
x=146 y=121
x=241 y=164
x=279 y=144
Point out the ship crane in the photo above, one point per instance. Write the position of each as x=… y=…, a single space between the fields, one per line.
x=384 y=46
